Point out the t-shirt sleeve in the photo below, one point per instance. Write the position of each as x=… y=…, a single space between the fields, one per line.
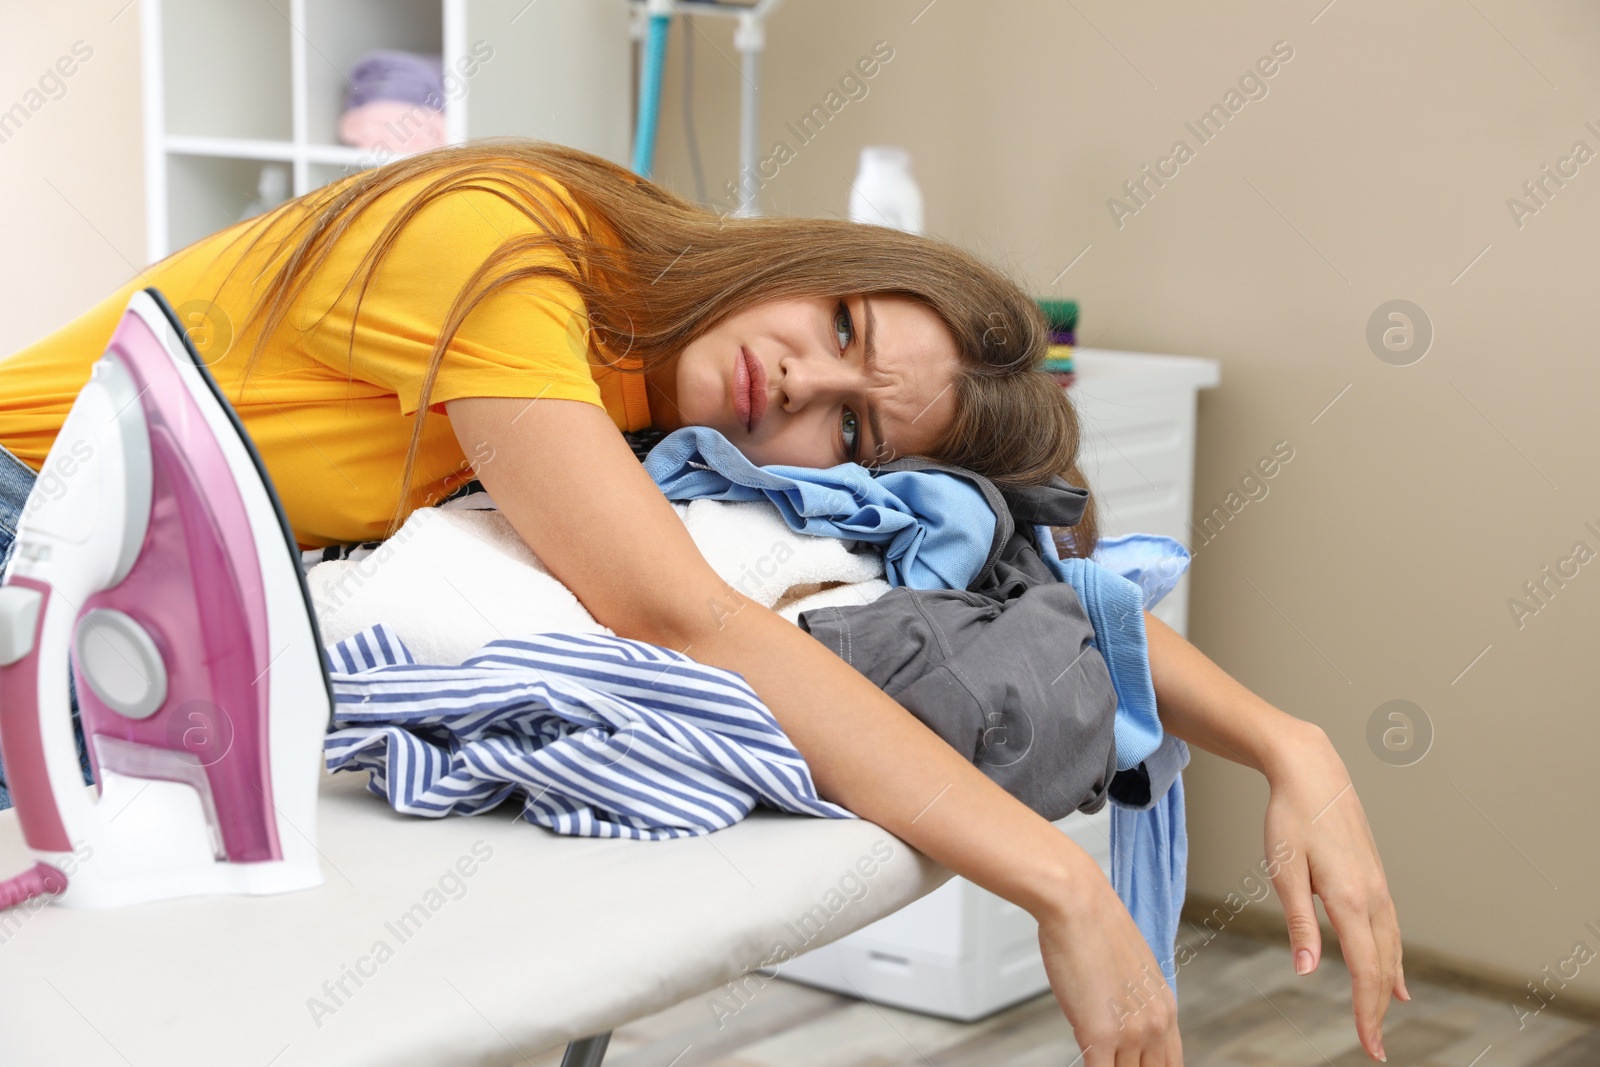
x=526 y=339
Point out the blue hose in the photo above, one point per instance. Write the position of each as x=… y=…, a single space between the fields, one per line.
x=655 y=57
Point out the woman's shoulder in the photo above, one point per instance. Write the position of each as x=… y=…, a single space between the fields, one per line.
x=506 y=200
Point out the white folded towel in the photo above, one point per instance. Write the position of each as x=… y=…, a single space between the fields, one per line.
x=453 y=578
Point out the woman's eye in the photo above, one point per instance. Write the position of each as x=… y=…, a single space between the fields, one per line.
x=844 y=326
x=849 y=424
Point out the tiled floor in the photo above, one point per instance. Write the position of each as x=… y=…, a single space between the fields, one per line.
x=1240 y=1005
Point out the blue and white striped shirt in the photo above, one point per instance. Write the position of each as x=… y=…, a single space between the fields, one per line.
x=603 y=736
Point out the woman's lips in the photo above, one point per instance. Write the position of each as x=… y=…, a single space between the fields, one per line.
x=741 y=389
x=758 y=390
x=749 y=389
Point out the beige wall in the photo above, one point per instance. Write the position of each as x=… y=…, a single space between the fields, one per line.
x=1377 y=167
x=72 y=170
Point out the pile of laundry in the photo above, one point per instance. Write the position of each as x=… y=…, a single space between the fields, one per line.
x=465 y=674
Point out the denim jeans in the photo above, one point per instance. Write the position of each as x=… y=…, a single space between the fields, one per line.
x=16 y=482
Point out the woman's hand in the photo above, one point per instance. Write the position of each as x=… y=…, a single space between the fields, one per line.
x=1314 y=811
x=1108 y=984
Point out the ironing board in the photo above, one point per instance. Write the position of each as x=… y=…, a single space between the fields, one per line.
x=549 y=939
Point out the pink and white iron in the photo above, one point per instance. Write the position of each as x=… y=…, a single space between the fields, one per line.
x=155 y=552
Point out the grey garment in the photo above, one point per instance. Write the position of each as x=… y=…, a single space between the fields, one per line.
x=1016 y=686
x=1014 y=567
x=1139 y=788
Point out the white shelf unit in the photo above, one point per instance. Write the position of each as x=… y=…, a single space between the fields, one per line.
x=232 y=84
x=962 y=952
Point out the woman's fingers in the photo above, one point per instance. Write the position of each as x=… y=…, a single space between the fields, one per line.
x=1339 y=864
x=1385 y=927
x=1159 y=1038
x=1388 y=942
x=1399 y=987
x=1099 y=1056
x=1368 y=994
x=1108 y=983
x=1174 y=1049
x=1293 y=883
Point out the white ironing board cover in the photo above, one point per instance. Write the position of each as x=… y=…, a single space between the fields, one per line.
x=553 y=938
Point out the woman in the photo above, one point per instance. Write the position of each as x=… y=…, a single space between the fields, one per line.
x=541 y=300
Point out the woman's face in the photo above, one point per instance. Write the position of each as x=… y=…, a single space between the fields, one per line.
x=813 y=382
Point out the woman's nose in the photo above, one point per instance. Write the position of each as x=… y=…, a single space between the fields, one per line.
x=808 y=378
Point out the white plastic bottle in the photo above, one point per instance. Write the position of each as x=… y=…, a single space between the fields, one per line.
x=884 y=192
x=272 y=189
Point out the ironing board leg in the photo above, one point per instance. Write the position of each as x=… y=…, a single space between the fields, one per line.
x=587 y=1051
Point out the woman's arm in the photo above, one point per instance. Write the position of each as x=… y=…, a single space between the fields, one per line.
x=1313 y=809
x=568 y=483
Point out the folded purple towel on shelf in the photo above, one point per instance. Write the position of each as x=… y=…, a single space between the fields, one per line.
x=389 y=74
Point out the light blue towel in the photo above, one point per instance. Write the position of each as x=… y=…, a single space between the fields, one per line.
x=1149 y=845
x=1150 y=871
x=1152 y=562
x=935 y=529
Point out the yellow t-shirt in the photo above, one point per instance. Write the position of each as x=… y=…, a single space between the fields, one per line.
x=333 y=423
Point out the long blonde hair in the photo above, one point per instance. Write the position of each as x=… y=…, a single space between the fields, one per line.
x=655 y=271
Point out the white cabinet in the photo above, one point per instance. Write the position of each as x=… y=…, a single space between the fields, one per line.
x=961 y=952
x=1138 y=417
x=232 y=85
